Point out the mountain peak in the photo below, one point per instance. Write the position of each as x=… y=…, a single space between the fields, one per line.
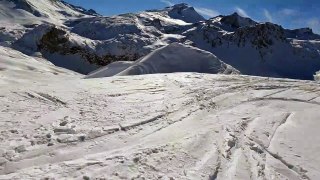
x=237 y=21
x=184 y=12
x=181 y=6
x=235 y=14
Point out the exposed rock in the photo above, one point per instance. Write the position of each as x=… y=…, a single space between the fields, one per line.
x=64 y=130
x=20 y=149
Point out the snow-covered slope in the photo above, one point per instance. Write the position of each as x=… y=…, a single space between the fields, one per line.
x=184 y=12
x=161 y=126
x=35 y=11
x=175 y=57
x=258 y=49
x=14 y=64
x=99 y=40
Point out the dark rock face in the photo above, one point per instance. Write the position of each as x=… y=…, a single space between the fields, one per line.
x=302 y=34
x=236 y=21
x=261 y=35
x=57 y=41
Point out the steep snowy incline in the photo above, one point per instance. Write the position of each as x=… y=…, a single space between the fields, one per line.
x=160 y=126
x=184 y=12
x=15 y=66
x=175 y=57
x=36 y=11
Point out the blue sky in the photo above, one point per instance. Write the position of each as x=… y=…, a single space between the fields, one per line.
x=288 y=13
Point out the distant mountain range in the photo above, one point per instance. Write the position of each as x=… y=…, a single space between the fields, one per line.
x=83 y=41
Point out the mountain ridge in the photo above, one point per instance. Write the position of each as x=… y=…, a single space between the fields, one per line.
x=95 y=41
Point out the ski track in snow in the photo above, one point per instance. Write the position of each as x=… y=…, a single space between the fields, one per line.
x=180 y=126
x=55 y=124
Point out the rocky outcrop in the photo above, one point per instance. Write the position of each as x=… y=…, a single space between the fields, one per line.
x=57 y=41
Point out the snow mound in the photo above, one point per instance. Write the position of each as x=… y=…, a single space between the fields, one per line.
x=110 y=70
x=175 y=57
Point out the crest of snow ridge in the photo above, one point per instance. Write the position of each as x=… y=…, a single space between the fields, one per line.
x=35 y=7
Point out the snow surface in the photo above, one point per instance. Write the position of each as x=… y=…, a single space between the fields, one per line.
x=56 y=125
x=172 y=58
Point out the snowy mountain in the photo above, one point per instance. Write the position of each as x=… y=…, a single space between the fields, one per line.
x=231 y=22
x=82 y=41
x=258 y=49
x=169 y=59
x=59 y=124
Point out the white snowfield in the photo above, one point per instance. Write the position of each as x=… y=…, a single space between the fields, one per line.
x=172 y=58
x=56 y=125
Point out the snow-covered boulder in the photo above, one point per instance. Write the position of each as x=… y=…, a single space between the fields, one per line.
x=175 y=57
